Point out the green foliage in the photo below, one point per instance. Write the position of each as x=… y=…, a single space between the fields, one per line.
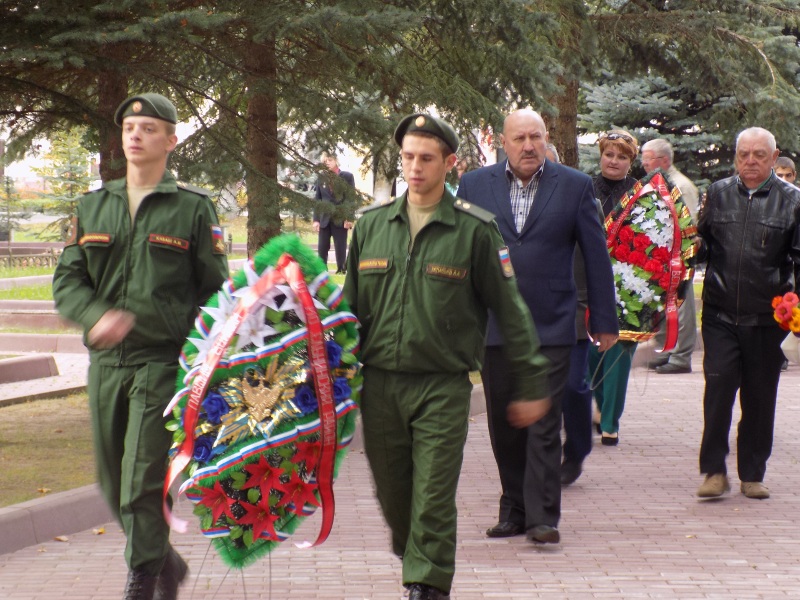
x=268 y=85
x=694 y=73
x=66 y=170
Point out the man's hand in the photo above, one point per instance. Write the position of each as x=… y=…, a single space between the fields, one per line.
x=348 y=225
x=316 y=226
x=111 y=329
x=604 y=341
x=522 y=413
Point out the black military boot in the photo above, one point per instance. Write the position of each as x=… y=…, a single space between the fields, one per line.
x=140 y=585
x=172 y=574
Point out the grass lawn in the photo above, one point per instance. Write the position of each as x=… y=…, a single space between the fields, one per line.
x=45 y=447
x=28 y=292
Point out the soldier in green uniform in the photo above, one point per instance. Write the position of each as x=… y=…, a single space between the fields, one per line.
x=422 y=271
x=143 y=254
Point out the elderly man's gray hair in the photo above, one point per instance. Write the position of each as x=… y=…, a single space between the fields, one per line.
x=761 y=132
x=659 y=147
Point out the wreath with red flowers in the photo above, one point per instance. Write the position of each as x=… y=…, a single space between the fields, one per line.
x=650 y=237
x=266 y=404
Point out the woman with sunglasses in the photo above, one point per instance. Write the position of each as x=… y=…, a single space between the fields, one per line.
x=609 y=371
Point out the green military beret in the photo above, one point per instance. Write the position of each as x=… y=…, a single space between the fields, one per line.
x=428 y=124
x=147 y=105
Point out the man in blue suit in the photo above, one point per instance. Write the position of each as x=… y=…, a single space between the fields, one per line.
x=543 y=209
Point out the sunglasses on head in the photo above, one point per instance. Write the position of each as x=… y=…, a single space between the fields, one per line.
x=617 y=136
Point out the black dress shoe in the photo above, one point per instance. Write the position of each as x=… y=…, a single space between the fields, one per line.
x=607 y=440
x=570 y=471
x=670 y=369
x=420 y=591
x=504 y=529
x=172 y=575
x=543 y=534
x=140 y=585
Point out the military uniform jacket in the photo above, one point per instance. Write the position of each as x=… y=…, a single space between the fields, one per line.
x=423 y=309
x=161 y=267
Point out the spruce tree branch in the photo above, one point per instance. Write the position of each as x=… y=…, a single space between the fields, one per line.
x=751 y=44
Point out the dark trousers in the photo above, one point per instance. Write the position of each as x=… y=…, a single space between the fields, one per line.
x=746 y=359
x=577 y=405
x=529 y=459
x=339 y=234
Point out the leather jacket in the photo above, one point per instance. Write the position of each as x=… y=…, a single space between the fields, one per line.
x=751 y=243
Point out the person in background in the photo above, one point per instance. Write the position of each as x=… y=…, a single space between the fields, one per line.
x=144 y=253
x=609 y=372
x=577 y=404
x=331 y=190
x=740 y=336
x=424 y=269
x=543 y=210
x=658 y=154
x=785 y=169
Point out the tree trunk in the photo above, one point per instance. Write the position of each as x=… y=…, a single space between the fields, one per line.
x=261 y=147
x=563 y=128
x=383 y=187
x=112 y=89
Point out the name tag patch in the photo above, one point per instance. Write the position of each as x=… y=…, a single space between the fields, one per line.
x=505 y=262
x=168 y=240
x=96 y=238
x=445 y=271
x=373 y=263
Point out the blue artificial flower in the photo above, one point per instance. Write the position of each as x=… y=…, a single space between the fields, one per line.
x=215 y=406
x=341 y=389
x=203 y=448
x=305 y=400
x=334 y=351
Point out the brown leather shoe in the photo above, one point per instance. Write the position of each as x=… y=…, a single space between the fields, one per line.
x=544 y=534
x=755 y=489
x=714 y=486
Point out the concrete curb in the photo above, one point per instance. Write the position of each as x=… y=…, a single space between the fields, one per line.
x=41 y=520
x=69 y=343
x=64 y=513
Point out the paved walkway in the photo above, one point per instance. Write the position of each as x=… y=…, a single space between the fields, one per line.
x=631 y=528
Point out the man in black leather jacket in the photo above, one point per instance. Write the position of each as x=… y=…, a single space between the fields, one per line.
x=750 y=230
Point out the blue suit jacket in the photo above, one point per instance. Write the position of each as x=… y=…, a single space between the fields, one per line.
x=564 y=213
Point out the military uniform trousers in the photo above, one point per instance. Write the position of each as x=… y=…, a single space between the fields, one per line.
x=415 y=428
x=131 y=447
x=747 y=359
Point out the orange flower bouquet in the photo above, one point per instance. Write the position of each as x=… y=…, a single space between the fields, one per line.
x=787 y=312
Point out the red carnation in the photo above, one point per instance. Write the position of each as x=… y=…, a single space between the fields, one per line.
x=641 y=242
x=621 y=253
x=660 y=254
x=638 y=258
x=654 y=266
x=626 y=234
x=665 y=280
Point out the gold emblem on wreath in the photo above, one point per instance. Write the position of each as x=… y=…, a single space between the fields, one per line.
x=263 y=393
